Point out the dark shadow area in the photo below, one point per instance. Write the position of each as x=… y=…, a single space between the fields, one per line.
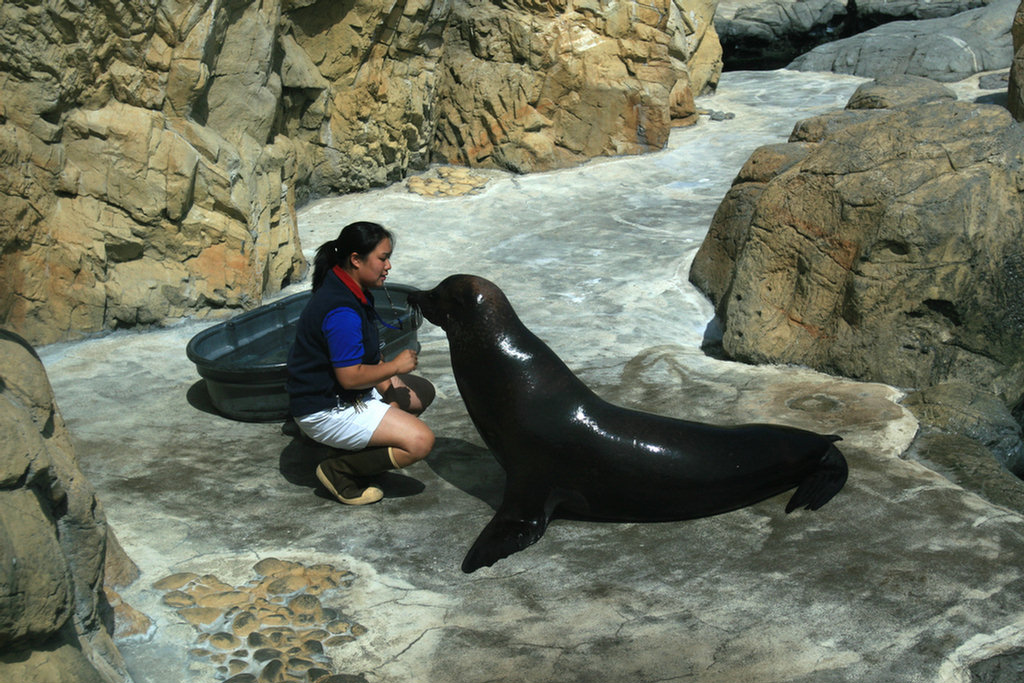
x=746 y=51
x=1000 y=98
x=7 y=335
x=300 y=457
x=1002 y=668
x=711 y=344
x=469 y=468
x=198 y=396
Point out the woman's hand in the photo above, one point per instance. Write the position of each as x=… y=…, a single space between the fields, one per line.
x=406 y=362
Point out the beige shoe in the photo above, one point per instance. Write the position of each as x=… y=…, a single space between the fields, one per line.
x=343 y=487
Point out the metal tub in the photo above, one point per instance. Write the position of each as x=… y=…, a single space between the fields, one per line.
x=244 y=360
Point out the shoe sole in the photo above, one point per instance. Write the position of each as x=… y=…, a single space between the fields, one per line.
x=371 y=494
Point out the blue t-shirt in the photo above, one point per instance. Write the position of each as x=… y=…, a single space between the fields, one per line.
x=344 y=332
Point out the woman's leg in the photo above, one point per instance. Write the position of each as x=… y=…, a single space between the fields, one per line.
x=409 y=437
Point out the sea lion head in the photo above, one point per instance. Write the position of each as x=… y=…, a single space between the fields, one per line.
x=463 y=303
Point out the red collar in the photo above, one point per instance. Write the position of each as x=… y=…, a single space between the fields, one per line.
x=350 y=283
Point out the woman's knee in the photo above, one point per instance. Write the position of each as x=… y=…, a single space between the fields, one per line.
x=421 y=442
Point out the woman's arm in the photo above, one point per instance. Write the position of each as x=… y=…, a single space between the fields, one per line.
x=362 y=376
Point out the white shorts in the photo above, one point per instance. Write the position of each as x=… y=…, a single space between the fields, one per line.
x=348 y=426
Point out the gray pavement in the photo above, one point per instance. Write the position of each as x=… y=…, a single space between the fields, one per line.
x=904 y=576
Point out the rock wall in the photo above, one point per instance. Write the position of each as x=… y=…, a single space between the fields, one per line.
x=131 y=192
x=360 y=89
x=153 y=154
x=532 y=90
x=55 y=620
x=1015 y=92
x=882 y=243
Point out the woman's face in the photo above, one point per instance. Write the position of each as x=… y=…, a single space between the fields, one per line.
x=373 y=270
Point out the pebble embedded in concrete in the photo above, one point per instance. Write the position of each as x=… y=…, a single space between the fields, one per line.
x=274 y=629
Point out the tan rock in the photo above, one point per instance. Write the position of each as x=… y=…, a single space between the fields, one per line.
x=306 y=604
x=272 y=566
x=236 y=666
x=35 y=581
x=175 y=581
x=921 y=200
x=200 y=616
x=286 y=585
x=273 y=618
x=128 y=621
x=244 y=624
x=207 y=584
x=179 y=599
x=119 y=571
x=224 y=599
x=531 y=92
x=339 y=626
x=53 y=537
x=224 y=641
x=132 y=183
x=64 y=664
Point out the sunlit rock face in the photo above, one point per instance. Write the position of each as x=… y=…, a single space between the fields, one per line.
x=153 y=154
x=882 y=244
x=533 y=86
x=141 y=177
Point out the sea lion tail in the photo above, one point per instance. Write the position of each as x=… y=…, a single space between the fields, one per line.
x=818 y=487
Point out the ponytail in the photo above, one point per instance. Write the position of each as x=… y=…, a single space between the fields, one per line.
x=358 y=238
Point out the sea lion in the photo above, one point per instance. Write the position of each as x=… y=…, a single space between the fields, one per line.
x=565 y=449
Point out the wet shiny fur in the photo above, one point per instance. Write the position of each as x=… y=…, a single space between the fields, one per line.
x=565 y=449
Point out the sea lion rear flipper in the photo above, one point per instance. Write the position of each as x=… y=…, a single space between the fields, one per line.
x=519 y=522
x=818 y=487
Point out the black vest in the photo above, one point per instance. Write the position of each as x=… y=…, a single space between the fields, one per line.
x=312 y=385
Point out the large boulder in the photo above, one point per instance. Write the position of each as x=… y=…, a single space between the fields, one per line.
x=944 y=49
x=154 y=153
x=882 y=244
x=759 y=33
x=55 y=619
x=958 y=409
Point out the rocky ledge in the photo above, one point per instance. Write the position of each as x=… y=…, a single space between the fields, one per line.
x=882 y=242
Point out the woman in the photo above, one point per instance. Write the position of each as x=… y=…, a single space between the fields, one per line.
x=342 y=393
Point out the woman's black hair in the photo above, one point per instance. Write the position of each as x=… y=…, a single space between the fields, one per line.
x=361 y=238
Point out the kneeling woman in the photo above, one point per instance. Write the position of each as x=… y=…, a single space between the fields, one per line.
x=342 y=393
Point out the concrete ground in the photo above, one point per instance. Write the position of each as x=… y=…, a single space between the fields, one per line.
x=904 y=576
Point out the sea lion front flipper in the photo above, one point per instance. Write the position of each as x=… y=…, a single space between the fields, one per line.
x=520 y=521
